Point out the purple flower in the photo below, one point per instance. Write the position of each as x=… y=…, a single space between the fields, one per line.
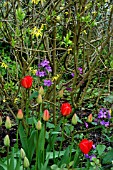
x=92 y=156
x=39 y=65
x=89 y=156
x=80 y=70
x=104 y=123
x=44 y=63
x=108 y=115
x=47 y=83
x=93 y=146
x=48 y=68
x=102 y=113
x=86 y=124
x=96 y=120
x=72 y=74
x=68 y=89
x=40 y=73
x=86 y=156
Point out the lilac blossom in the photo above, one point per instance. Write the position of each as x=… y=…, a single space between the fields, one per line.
x=48 y=68
x=93 y=146
x=68 y=89
x=80 y=70
x=109 y=115
x=96 y=121
x=89 y=156
x=47 y=83
x=86 y=124
x=102 y=113
x=86 y=156
x=72 y=74
x=44 y=63
x=104 y=123
x=40 y=73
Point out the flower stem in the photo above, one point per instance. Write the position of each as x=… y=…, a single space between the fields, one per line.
x=7 y=158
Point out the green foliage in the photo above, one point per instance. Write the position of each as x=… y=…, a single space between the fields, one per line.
x=100 y=149
x=14 y=162
x=108 y=157
x=20 y=14
x=75 y=38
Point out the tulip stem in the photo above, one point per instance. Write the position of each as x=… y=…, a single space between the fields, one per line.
x=7 y=158
x=27 y=103
x=17 y=134
x=88 y=164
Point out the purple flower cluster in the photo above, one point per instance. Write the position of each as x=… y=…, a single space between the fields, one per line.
x=103 y=117
x=80 y=71
x=47 y=82
x=89 y=156
x=43 y=69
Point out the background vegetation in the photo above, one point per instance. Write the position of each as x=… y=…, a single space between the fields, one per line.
x=75 y=36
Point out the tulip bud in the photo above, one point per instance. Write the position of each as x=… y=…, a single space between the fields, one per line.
x=8 y=123
x=89 y=119
x=39 y=99
x=26 y=162
x=39 y=125
x=22 y=153
x=46 y=115
x=61 y=93
x=6 y=141
x=20 y=114
x=41 y=91
x=0 y=120
x=74 y=119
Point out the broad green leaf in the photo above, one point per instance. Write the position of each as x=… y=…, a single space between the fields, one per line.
x=34 y=95
x=18 y=164
x=44 y=167
x=3 y=165
x=108 y=157
x=76 y=157
x=100 y=148
x=31 y=144
x=23 y=138
x=55 y=133
x=50 y=125
x=12 y=160
x=54 y=166
x=57 y=153
x=41 y=142
x=65 y=159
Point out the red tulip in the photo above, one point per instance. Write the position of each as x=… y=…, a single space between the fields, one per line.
x=65 y=109
x=26 y=82
x=85 y=146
